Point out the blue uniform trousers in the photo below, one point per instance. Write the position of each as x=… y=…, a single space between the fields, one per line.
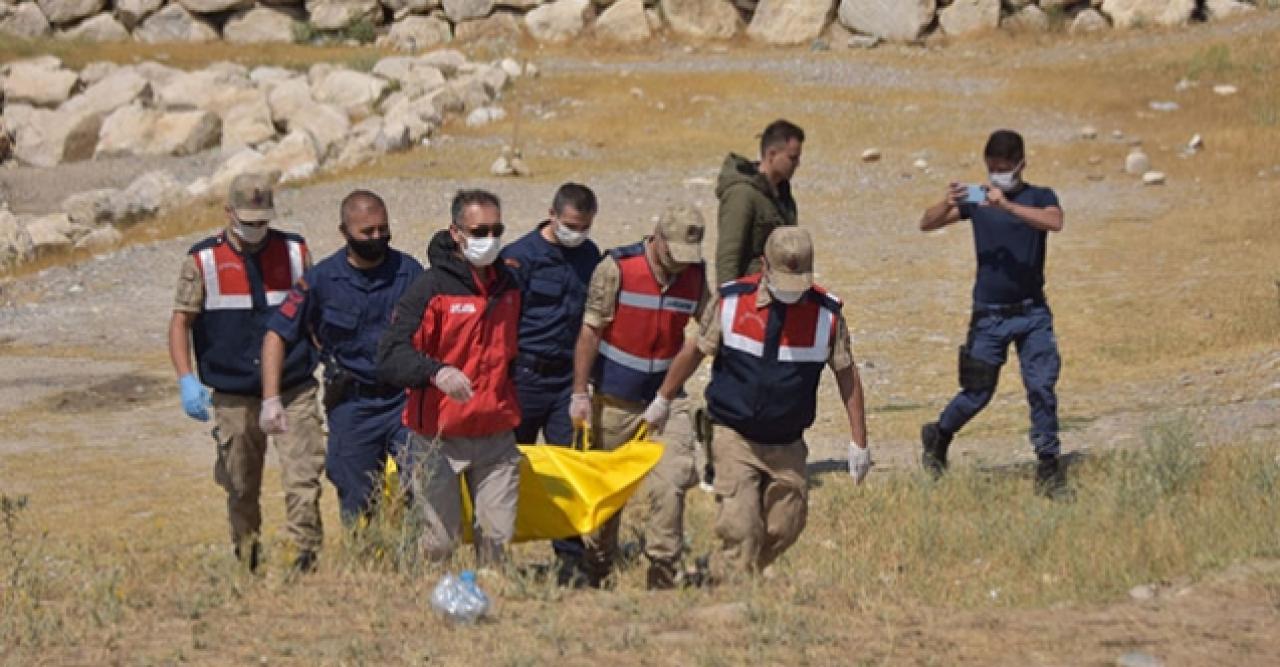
x=363 y=431
x=1031 y=331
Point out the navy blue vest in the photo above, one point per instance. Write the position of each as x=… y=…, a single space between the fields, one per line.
x=240 y=294
x=764 y=382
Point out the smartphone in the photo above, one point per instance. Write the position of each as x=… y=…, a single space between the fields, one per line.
x=975 y=194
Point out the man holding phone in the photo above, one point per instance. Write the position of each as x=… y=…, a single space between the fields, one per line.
x=1011 y=220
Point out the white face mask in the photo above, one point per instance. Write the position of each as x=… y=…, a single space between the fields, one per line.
x=786 y=296
x=481 y=252
x=250 y=235
x=569 y=238
x=1007 y=180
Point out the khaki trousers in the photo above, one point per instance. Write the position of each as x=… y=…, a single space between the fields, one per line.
x=663 y=493
x=491 y=465
x=242 y=450
x=762 y=501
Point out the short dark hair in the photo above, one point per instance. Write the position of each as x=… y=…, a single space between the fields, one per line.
x=579 y=196
x=1005 y=145
x=779 y=132
x=359 y=197
x=466 y=198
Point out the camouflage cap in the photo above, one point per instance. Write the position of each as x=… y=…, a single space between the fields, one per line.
x=683 y=228
x=789 y=253
x=251 y=197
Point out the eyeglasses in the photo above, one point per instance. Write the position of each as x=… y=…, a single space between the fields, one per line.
x=494 y=230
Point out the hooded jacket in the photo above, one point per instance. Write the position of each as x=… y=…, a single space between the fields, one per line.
x=750 y=209
x=452 y=315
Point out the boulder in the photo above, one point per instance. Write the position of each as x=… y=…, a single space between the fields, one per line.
x=790 y=21
x=499 y=26
x=327 y=124
x=701 y=19
x=896 y=20
x=559 y=21
x=969 y=16
x=131 y=13
x=206 y=89
x=402 y=8
x=356 y=93
x=448 y=61
x=100 y=240
x=247 y=124
x=156 y=73
x=417 y=33
x=624 y=21
x=16 y=245
x=175 y=24
x=99 y=28
x=462 y=10
x=29 y=83
x=1089 y=20
x=147 y=195
x=296 y=157
x=1137 y=13
x=340 y=14
x=419 y=117
x=64 y=12
x=214 y=6
x=289 y=99
x=135 y=130
x=124 y=86
x=50 y=233
x=1029 y=19
x=25 y=21
x=97 y=71
x=415 y=78
x=1220 y=9
x=47 y=138
x=472 y=93
x=92 y=208
x=268 y=76
x=247 y=161
x=260 y=25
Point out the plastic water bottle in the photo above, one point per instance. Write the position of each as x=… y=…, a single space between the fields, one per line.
x=459 y=598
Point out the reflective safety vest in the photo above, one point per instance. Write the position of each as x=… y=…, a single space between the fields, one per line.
x=764 y=382
x=647 y=330
x=240 y=293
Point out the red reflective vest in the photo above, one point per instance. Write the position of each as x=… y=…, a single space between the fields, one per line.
x=647 y=330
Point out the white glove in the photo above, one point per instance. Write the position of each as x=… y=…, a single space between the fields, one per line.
x=454 y=383
x=859 y=462
x=580 y=409
x=271 y=418
x=656 y=414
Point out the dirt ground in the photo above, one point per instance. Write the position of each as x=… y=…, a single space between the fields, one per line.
x=1166 y=304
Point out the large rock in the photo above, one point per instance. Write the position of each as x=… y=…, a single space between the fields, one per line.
x=1030 y=19
x=131 y=13
x=147 y=195
x=417 y=33
x=339 y=14
x=100 y=28
x=327 y=124
x=16 y=246
x=791 y=21
x=624 y=21
x=498 y=26
x=356 y=93
x=1220 y=9
x=207 y=89
x=969 y=16
x=39 y=86
x=247 y=124
x=63 y=12
x=247 y=161
x=260 y=25
x=214 y=6
x=415 y=77
x=701 y=19
x=1137 y=13
x=558 y=22
x=448 y=61
x=898 y=20
x=25 y=21
x=100 y=240
x=420 y=117
x=288 y=99
x=1089 y=20
x=296 y=157
x=91 y=208
x=175 y=24
x=135 y=130
x=47 y=138
x=401 y=8
x=50 y=233
x=462 y=10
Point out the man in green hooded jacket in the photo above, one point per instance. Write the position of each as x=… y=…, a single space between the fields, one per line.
x=755 y=198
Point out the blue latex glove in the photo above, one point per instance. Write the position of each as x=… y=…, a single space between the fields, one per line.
x=195 y=398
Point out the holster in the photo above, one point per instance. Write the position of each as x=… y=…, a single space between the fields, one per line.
x=976 y=374
x=337 y=384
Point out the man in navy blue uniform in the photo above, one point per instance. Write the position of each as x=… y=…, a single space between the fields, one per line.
x=341 y=306
x=553 y=265
x=1011 y=221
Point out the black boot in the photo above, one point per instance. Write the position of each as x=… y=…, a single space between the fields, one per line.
x=661 y=576
x=253 y=558
x=1051 y=480
x=935 y=444
x=306 y=562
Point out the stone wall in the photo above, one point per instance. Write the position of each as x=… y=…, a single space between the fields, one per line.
x=414 y=25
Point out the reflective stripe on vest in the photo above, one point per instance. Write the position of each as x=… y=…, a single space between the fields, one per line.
x=230 y=290
x=731 y=336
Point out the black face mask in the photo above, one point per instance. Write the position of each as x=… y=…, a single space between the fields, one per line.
x=370 y=250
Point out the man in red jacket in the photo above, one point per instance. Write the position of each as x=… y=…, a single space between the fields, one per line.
x=451 y=343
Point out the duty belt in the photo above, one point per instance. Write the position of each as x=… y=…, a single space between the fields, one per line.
x=543 y=366
x=1007 y=309
x=363 y=390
